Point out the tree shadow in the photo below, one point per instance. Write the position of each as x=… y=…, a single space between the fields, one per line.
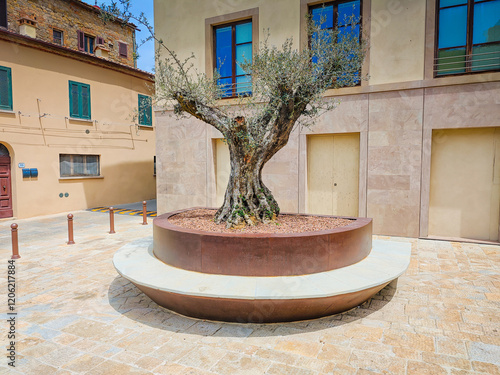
x=132 y=303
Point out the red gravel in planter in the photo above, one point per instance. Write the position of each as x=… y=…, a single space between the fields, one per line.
x=203 y=219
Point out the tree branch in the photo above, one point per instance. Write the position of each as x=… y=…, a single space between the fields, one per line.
x=211 y=115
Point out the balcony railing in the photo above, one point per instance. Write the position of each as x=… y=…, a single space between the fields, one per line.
x=232 y=90
x=450 y=63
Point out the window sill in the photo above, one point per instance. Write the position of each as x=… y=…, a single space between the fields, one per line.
x=149 y=127
x=7 y=111
x=80 y=178
x=80 y=120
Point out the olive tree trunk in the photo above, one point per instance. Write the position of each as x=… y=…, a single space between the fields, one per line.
x=251 y=145
x=247 y=200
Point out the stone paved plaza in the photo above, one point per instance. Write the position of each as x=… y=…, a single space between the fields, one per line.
x=77 y=315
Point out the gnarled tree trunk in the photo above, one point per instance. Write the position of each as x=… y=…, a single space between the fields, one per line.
x=247 y=200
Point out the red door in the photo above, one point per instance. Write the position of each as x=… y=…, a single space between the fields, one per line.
x=5 y=188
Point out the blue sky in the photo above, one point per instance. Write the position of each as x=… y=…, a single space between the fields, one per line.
x=146 y=52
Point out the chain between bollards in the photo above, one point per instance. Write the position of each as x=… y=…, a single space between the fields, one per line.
x=144 y=213
x=15 y=242
x=70 y=230
x=111 y=221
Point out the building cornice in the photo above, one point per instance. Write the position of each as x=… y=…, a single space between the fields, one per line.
x=85 y=57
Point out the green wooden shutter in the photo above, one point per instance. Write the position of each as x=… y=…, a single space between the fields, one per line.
x=79 y=100
x=145 y=110
x=85 y=101
x=5 y=88
x=73 y=100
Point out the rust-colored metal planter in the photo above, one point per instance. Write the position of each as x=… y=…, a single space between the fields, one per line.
x=264 y=254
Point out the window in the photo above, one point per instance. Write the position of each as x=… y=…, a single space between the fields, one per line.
x=79 y=100
x=339 y=13
x=79 y=165
x=145 y=110
x=468 y=37
x=345 y=15
x=5 y=89
x=85 y=42
x=233 y=46
x=123 y=49
x=89 y=42
x=57 y=37
x=3 y=13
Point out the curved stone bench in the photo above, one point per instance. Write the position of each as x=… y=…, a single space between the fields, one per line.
x=257 y=298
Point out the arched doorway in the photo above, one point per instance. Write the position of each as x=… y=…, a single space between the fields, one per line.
x=5 y=183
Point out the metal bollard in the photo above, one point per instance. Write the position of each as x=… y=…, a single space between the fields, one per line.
x=15 y=242
x=70 y=230
x=144 y=213
x=111 y=221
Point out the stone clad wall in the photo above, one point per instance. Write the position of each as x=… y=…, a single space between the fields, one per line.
x=394 y=161
x=70 y=17
x=395 y=131
x=395 y=111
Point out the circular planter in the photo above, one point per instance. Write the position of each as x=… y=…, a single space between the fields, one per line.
x=262 y=254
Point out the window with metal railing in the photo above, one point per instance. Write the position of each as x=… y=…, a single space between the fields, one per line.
x=345 y=15
x=233 y=47
x=468 y=37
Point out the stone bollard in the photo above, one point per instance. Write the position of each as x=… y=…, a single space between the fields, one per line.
x=111 y=221
x=15 y=242
x=70 y=230
x=144 y=213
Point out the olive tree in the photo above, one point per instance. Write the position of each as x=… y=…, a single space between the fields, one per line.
x=288 y=84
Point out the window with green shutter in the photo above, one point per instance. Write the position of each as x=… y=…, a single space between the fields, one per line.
x=145 y=110
x=5 y=89
x=79 y=100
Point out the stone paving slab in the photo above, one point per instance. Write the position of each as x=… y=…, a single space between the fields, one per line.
x=76 y=315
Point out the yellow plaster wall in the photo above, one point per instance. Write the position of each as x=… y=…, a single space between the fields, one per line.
x=396 y=35
x=397 y=41
x=181 y=23
x=39 y=130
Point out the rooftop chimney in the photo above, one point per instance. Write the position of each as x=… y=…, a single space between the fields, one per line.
x=27 y=27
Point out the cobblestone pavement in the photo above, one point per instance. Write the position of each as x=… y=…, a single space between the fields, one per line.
x=76 y=315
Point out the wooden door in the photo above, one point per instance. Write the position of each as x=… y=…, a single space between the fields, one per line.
x=222 y=169
x=333 y=174
x=465 y=184
x=5 y=188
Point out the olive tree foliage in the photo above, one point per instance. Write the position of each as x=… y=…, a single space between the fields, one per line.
x=288 y=84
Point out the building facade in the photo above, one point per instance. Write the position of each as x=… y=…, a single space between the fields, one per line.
x=76 y=124
x=416 y=146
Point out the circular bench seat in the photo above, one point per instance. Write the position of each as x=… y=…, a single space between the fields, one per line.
x=261 y=298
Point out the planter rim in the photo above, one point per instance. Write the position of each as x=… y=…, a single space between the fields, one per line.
x=163 y=222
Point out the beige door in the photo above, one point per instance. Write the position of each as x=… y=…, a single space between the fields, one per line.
x=465 y=184
x=222 y=169
x=333 y=174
